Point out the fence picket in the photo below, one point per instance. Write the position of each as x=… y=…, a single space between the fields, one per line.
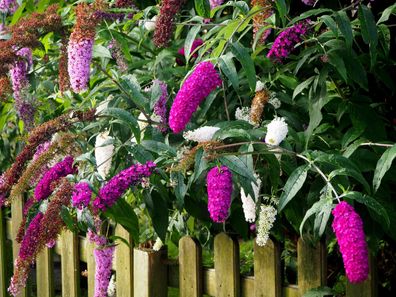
x=91 y=266
x=70 y=262
x=151 y=279
x=267 y=270
x=226 y=258
x=311 y=263
x=3 y=260
x=45 y=276
x=190 y=270
x=17 y=215
x=368 y=288
x=124 y=264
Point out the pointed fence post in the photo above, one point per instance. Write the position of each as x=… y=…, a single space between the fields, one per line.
x=70 y=262
x=124 y=264
x=151 y=273
x=226 y=261
x=267 y=270
x=91 y=267
x=190 y=267
x=17 y=216
x=312 y=265
x=45 y=275
x=368 y=288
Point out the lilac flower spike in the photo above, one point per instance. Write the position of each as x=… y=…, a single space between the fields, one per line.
x=81 y=195
x=8 y=6
x=215 y=3
x=43 y=189
x=219 y=183
x=104 y=260
x=79 y=61
x=202 y=81
x=160 y=107
x=116 y=186
x=285 y=42
x=348 y=228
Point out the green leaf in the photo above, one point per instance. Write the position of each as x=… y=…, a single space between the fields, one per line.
x=201 y=164
x=282 y=10
x=140 y=154
x=17 y=14
x=130 y=85
x=158 y=147
x=322 y=218
x=227 y=66
x=293 y=185
x=336 y=60
x=237 y=166
x=122 y=212
x=158 y=211
x=345 y=27
x=315 y=208
x=243 y=56
x=302 y=86
x=125 y=117
x=310 y=13
x=203 y=8
x=190 y=40
x=371 y=203
x=330 y=23
x=369 y=31
x=352 y=173
x=180 y=189
x=68 y=219
x=352 y=148
x=387 y=13
x=383 y=165
x=99 y=51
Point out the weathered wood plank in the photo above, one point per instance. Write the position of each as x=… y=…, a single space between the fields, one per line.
x=45 y=275
x=190 y=272
x=226 y=260
x=150 y=273
x=124 y=264
x=368 y=288
x=91 y=266
x=311 y=263
x=267 y=270
x=70 y=265
x=17 y=216
x=3 y=260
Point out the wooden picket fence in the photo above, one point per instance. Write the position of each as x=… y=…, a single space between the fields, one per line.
x=144 y=273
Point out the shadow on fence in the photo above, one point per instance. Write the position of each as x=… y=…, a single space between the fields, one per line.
x=144 y=273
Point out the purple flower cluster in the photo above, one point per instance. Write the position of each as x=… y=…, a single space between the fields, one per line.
x=309 y=2
x=348 y=228
x=215 y=3
x=42 y=148
x=43 y=189
x=103 y=260
x=219 y=184
x=196 y=43
x=117 y=55
x=79 y=62
x=109 y=16
x=29 y=243
x=8 y=6
x=2 y=195
x=81 y=195
x=117 y=185
x=160 y=106
x=203 y=80
x=285 y=42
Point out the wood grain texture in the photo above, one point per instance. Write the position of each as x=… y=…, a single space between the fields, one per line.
x=226 y=259
x=190 y=270
x=45 y=275
x=70 y=262
x=124 y=264
x=91 y=266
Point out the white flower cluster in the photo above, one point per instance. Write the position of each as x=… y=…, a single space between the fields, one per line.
x=143 y=124
x=149 y=25
x=259 y=86
x=243 y=114
x=103 y=153
x=249 y=203
x=201 y=134
x=276 y=131
x=275 y=102
x=158 y=244
x=111 y=289
x=265 y=223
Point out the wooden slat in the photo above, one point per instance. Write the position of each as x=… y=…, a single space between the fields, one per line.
x=190 y=272
x=17 y=215
x=267 y=270
x=226 y=260
x=70 y=265
x=91 y=266
x=45 y=275
x=368 y=288
x=311 y=263
x=3 y=260
x=150 y=273
x=124 y=264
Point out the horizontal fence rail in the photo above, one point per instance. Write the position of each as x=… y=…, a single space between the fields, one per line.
x=145 y=273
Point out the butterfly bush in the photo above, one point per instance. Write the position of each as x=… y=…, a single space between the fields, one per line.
x=348 y=228
x=267 y=217
x=249 y=202
x=202 y=81
x=196 y=43
x=201 y=134
x=81 y=195
x=160 y=106
x=103 y=259
x=104 y=150
x=8 y=6
x=276 y=131
x=215 y=3
x=219 y=187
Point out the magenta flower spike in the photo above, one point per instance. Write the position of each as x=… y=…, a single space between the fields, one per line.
x=81 y=195
x=103 y=260
x=348 y=228
x=219 y=186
